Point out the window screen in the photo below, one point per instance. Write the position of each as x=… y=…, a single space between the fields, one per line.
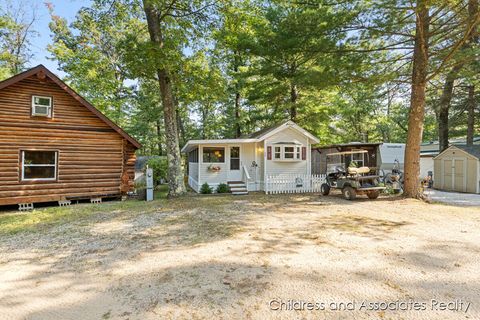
x=39 y=165
x=213 y=155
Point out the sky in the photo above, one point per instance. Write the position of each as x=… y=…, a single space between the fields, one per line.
x=64 y=8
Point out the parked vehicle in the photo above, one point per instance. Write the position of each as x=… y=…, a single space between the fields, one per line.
x=394 y=179
x=353 y=180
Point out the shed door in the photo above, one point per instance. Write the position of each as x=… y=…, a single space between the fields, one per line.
x=447 y=174
x=459 y=175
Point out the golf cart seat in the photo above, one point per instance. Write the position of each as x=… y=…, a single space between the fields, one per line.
x=361 y=170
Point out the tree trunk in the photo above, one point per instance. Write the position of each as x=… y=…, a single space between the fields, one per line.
x=293 y=102
x=447 y=93
x=181 y=127
x=204 y=122
x=159 y=137
x=238 y=130
x=444 y=108
x=417 y=102
x=176 y=185
x=471 y=115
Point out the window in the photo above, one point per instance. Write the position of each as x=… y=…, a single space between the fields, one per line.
x=278 y=153
x=41 y=106
x=213 y=155
x=39 y=165
x=358 y=158
x=287 y=152
x=235 y=158
x=193 y=156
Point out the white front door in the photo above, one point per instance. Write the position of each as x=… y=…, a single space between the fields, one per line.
x=235 y=163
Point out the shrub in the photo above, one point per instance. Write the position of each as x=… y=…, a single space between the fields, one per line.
x=206 y=189
x=223 y=188
x=160 y=167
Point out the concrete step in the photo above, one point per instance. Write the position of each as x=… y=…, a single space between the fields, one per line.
x=239 y=193
x=236 y=184
x=239 y=188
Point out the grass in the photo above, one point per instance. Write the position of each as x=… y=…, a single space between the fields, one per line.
x=15 y=222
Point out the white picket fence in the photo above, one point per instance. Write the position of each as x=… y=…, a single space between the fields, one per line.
x=293 y=183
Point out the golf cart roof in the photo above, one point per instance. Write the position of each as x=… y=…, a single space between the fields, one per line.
x=347 y=152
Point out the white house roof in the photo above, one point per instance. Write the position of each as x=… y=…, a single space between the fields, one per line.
x=254 y=137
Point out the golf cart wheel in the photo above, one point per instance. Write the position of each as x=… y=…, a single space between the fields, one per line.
x=325 y=189
x=373 y=194
x=349 y=193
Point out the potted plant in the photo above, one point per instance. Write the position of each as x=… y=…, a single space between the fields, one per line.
x=214 y=168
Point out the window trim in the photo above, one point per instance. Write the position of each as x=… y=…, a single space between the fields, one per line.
x=356 y=161
x=22 y=166
x=297 y=152
x=33 y=105
x=224 y=154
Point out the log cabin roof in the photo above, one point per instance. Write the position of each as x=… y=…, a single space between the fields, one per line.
x=41 y=71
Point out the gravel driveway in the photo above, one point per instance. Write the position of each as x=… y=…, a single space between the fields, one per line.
x=455 y=198
x=248 y=257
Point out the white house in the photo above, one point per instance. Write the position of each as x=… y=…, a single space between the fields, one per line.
x=261 y=161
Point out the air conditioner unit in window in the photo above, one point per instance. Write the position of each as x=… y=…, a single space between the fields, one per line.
x=41 y=111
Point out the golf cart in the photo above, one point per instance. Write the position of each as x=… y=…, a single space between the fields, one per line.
x=353 y=180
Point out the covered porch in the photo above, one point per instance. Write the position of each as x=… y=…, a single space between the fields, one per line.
x=229 y=162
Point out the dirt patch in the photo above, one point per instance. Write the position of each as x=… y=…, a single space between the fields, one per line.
x=229 y=257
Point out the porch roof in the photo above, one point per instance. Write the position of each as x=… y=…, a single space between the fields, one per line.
x=254 y=137
x=191 y=144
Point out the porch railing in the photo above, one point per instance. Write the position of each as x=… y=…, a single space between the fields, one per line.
x=293 y=183
x=193 y=183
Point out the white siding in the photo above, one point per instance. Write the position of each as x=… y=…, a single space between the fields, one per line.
x=261 y=164
x=254 y=152
x=213 y=178
x=193 y=175
x=247 y=156
x=426 y=164
x=288 y=167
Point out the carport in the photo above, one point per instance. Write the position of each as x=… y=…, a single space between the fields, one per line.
x=458 y=169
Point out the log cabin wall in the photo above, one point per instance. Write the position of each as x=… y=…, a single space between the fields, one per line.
x=93 y=159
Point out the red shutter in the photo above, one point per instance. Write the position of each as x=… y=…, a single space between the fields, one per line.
x=269 y=153
x=304 y=153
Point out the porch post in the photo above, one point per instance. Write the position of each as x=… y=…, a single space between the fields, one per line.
x=256 y=161
x=200 y=158
x=309 y=154
x=265 y=165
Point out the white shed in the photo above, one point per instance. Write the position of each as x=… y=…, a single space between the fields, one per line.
x=458 y=169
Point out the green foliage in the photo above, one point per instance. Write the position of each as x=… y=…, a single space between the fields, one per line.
x=16 y=33
x=206 y=189
x=90 y=52
x=160 y=167
x=223 y=188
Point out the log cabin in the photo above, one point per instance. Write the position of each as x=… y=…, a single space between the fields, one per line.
x=56 y=146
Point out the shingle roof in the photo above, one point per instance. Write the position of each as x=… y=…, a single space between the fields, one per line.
x=473 y=150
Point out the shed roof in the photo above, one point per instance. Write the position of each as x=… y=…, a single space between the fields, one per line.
x=471 y=150
x=42 y=70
